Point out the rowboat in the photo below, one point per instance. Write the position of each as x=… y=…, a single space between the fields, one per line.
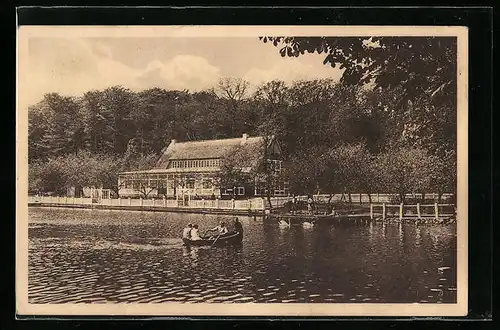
x=223 y=240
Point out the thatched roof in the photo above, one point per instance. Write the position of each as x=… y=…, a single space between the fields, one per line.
x=250 y=149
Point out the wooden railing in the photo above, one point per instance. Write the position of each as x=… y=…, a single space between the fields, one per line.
x=356 y=198
x=250 y=204
x=421 y=210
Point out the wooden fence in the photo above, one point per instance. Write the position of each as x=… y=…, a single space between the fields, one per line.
x=357 y=198
x=418 y=211
x=254 y=204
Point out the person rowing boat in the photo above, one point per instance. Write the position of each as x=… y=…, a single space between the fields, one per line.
x=238 y=227
x=220 y=230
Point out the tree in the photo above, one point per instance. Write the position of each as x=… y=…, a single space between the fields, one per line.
x=349 y=168
x=232 y=94
x=232 y=172
x=55 y=126
x=405 y=170
x=233 y=89
x=118 y=104
x=97 y=122
x=420 y=65
x=415 y=75
x=306 y=170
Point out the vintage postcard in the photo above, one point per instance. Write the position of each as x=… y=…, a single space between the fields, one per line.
x=242 y=170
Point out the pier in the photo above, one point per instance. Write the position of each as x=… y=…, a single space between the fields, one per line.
x=418 y=213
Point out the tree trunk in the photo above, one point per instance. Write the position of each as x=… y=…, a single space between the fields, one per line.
x=423 y=197
x=402 y=197
x=268 y=195
x=369 y=197
x=350 y=197
x=78 y=191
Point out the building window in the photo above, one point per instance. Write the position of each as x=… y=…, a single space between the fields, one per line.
x=190 y=183
x=228 y=191
x=275 y=165
x=207 y=184
x=240 y=191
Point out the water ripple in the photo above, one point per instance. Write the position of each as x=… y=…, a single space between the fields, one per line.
x=81 y=256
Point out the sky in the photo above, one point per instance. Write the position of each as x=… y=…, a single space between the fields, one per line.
x=72 y=66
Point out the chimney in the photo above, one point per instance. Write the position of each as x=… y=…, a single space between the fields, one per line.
x=244 y=138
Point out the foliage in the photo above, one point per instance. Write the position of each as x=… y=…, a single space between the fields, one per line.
x=335 y=137
x=419 y=65
x=82 y=170
x=406 y=170
x=349 y=169
x=414 y=80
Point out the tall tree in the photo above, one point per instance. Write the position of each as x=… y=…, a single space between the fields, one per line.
x=419 y=71
x=63 y=128
x=420 y=65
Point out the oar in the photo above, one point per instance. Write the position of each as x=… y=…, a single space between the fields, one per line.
x=216 y=239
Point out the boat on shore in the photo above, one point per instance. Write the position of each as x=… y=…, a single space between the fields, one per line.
x=231 y=238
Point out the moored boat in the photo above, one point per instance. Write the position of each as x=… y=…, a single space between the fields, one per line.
x=223 y=240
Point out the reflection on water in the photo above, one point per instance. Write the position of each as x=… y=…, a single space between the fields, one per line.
x=97 y=256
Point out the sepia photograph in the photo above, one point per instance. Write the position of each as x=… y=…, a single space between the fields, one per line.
x=242 y=170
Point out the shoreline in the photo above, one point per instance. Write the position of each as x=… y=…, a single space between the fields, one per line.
x=152 y=209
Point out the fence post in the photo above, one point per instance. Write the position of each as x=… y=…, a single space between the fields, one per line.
x=401 y=211
x=129 y=201
x=418 y=210
x=141 y=202
x=119 y=201
x=436 y=210
x=232 y=203
x=153 y=201
x=361 y=198
x=249 y=204
x=371 y=211
x=383 y=211
x=164 y=201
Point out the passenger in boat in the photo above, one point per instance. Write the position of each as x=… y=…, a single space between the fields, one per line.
x=195 y=235
x=237 y=226
x=186 y=233
x=221 y=229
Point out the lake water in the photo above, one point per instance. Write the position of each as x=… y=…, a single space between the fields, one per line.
x=99 y=256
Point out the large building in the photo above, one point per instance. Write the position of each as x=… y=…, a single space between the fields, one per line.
x=199 y=169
